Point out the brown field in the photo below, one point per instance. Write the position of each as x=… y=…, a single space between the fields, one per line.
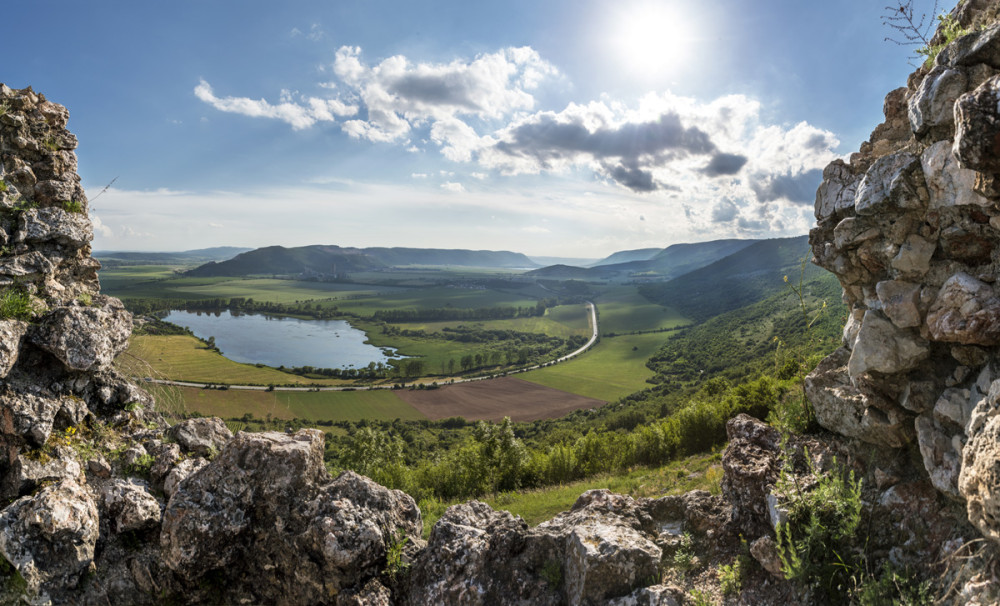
x=495 y=399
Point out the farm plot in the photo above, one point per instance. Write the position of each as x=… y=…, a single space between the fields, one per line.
x=494 y=399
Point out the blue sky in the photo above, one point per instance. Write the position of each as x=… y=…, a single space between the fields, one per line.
x=563 y=128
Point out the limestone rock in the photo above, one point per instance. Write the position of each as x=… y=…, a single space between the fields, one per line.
x=965 y=311
x=179 y=472
x=931 y=105
x=883 y=347
x=765 y=551
x=11 y=332
x=838 y=190
x=85 y=338
x=977 y=133
x=751 y=463
x=948 y=184
x=845 y=409
x=54 y=225
x=265 y=509
x=913 y=260
x=203 y=436
x=978 y=47
x=941 y=459
x=50 y=537
x=129 y=506
x=894 y=181
x=900 y=302
x=28 y=473
x=980 y=467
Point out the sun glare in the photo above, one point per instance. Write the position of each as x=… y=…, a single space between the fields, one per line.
x=650 y=38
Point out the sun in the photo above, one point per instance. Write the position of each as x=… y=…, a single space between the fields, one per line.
x=650 y=37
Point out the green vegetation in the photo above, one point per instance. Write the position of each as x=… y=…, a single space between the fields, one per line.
x=15 y=304
x=951 y=30
x=612 y=369
x=73 y=206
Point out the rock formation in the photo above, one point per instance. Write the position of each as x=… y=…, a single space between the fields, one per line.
x=101 y=503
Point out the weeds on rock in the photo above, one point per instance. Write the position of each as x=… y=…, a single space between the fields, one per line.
x=395 y=565
x=909 y=28
x=15 y=304
x=817 y=544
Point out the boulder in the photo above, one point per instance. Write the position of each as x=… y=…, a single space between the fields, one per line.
x=11 y=332
x=265 y=511
x=965 y=311
x=129 y=506
x=39 y=225
x=883 y=347
x=85 y=338
x=838 y=190
x=50 y=537
x=977 y=132
x=980 y=466
x=895 y=181
x=843 y=408
x=751 y=464
x=931 y=104
x=202 y=436
x=948 y=184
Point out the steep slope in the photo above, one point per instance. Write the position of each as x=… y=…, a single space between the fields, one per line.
x=755 y=272
x=627 y=256
x=398 y=257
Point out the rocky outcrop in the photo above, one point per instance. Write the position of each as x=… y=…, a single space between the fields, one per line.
x=911 y=227
x=607 y=549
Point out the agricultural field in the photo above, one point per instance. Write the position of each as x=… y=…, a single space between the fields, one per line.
x=612 y=369
x=623 y=310
x=561 y=321
x=495 y=399
x=316 y=406
x=185 y=358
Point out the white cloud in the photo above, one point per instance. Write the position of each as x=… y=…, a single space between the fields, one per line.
x=302 y=114
x=535 y=229
x=100 y=229
x=452 y=186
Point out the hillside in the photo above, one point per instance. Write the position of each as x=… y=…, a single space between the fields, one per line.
x=755 y=272
x=669 y=262
x=334 y=260
x=627 y=256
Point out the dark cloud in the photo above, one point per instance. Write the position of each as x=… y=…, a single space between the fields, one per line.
x=636 y=146
x=724 y=164
x=820 y=142
x=724 y=211
x=752 y=225
x=633 y=178
x=800 y=189
x=435 y=89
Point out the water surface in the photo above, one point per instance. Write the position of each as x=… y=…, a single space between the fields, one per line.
x=280 y=341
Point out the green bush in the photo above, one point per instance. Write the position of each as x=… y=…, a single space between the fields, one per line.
x=817 y=545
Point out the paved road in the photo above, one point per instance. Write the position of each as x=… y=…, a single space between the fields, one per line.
x=588 y=345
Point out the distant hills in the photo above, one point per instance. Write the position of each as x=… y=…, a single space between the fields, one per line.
x=653 y=263
x=329 y=260
x=757 y=271
x=627 y=256
x=189 y=257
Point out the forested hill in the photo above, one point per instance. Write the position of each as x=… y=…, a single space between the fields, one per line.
x=334 y=260
x=754 y=273
x=628 y=256
x=669 y=262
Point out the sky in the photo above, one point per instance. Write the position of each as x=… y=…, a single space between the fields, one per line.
x=553 y=128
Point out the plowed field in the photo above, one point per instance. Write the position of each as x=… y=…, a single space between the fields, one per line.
x=495 y=399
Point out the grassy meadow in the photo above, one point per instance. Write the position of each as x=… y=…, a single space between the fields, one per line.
x=316 y=406
x=612 y=369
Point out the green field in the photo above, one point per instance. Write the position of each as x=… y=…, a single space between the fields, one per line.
x=612 y=369
x=185 y=358
x=623 y=309
x=313 y=405
x=560 y=321
x=437 y=297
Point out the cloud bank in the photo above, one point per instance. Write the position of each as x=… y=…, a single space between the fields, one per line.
x=733 y=171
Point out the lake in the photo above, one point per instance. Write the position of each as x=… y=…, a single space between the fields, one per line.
x=279 y=341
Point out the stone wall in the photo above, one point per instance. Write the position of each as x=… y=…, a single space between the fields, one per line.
x=911 y=227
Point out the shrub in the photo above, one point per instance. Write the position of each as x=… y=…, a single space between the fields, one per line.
x=817 y=543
